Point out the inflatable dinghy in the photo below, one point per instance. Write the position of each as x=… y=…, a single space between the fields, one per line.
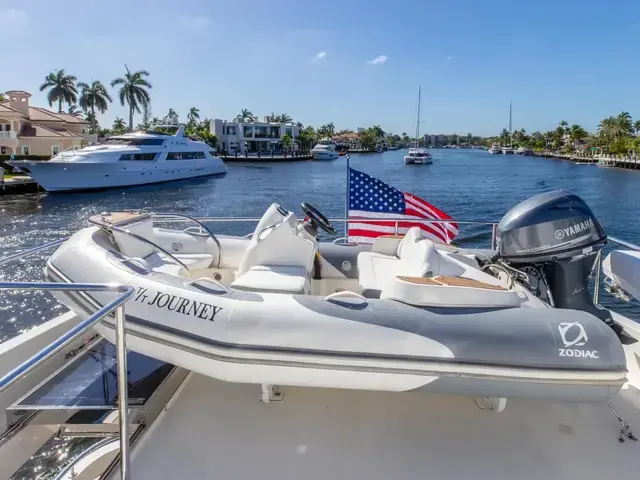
x=279 y=308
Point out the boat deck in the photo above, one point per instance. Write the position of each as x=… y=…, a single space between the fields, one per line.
x=223 y=431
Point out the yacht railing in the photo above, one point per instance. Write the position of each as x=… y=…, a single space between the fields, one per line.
x=116 y=306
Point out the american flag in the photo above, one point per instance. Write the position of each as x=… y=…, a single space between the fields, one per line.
x=370 y=198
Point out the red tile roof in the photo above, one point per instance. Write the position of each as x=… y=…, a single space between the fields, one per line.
x=35 y=130
x=42 y=115
x=4 y=107
x=67 y=133
x=67 y=117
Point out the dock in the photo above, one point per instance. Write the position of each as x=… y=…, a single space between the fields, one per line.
x=18 y=184
x=631 y=161
x=267 y=157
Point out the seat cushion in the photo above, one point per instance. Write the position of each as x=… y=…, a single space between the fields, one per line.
x=374 y=271
x=195 y=261
x=159 y=262
x=272 y=278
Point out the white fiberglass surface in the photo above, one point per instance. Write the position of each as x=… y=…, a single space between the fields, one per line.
x=223 y=431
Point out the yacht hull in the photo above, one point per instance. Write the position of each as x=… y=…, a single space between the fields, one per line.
x=323 y=155
x=66 y=176
x=312 y=341
x=409 y=160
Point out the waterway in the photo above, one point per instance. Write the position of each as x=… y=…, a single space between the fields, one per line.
x=467 y=184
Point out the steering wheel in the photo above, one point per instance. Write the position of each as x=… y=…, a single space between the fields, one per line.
x=316 y=217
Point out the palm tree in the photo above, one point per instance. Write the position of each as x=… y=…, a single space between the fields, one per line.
x=62 y=88
x=300 y=125
x=330 y=129
x=73 y=110
x=246 y=115
x=94 y=96
x=172 y=117
x=284 y=118
x=119 y=126
x=193 y=115
x=624 y=124
x=504 y=136
x=636 y=126
x=133 y=91
x=91 y=118
x=577 y=134
x=146 y=117
x=377 y=130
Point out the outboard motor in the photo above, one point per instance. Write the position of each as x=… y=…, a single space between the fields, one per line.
x=554 y=238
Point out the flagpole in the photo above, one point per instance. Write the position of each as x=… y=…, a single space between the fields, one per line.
x=346 y=203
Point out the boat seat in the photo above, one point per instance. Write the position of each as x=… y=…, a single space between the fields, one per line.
x=445 y=291
x=274 y=278
x=160 y=263
x=415 y=257
x=195 y=261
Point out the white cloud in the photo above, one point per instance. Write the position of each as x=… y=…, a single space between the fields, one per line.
x=449 y=57
x=378 y=60
x=319 y=56
x=194 y=22
x=13 y=20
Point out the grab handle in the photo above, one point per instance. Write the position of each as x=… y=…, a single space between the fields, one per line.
x=214 y=281
x=345 y=294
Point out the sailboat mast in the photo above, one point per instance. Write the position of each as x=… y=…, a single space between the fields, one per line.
x=418 y=122
x=510 y=127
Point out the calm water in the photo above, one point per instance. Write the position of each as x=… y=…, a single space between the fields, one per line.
x=469 y=185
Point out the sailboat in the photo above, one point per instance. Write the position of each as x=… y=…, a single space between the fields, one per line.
x=509 y=150
x=418 y=155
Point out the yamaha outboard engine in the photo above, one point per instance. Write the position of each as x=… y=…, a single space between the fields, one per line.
x=554 y=238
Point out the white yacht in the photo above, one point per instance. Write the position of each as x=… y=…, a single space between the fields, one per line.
x=508 y=150
x=276 y=356
x=325 y=149
x=417 y=155
x=125 y=160
x=495 y=149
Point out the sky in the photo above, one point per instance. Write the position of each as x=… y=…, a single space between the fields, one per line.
x=355 y=63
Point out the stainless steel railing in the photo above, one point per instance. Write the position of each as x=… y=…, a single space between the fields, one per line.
x=116 y=306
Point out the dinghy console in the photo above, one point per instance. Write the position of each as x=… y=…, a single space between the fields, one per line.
x=553 y=240
x=280 y=255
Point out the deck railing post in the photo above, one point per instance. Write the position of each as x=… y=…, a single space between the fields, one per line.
x=596 y=286
x=123 y=393
x=494 y=231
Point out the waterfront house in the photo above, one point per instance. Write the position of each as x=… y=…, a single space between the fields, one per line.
x=349 y=140
x=252 y=136
x=26 y=130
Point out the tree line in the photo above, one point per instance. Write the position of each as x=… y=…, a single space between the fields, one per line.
x=616 y=134
x=84 y=99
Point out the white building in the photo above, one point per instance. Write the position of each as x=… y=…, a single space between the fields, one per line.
x=252 y=137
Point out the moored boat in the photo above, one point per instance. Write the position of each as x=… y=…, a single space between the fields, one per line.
x=269 y=308
x=495 y=149
x=131 y=159
x=325 y=149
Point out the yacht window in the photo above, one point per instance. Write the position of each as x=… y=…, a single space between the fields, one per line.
x=185 y=155
x=136 y=141
x=147 y=141
x=138 y=156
